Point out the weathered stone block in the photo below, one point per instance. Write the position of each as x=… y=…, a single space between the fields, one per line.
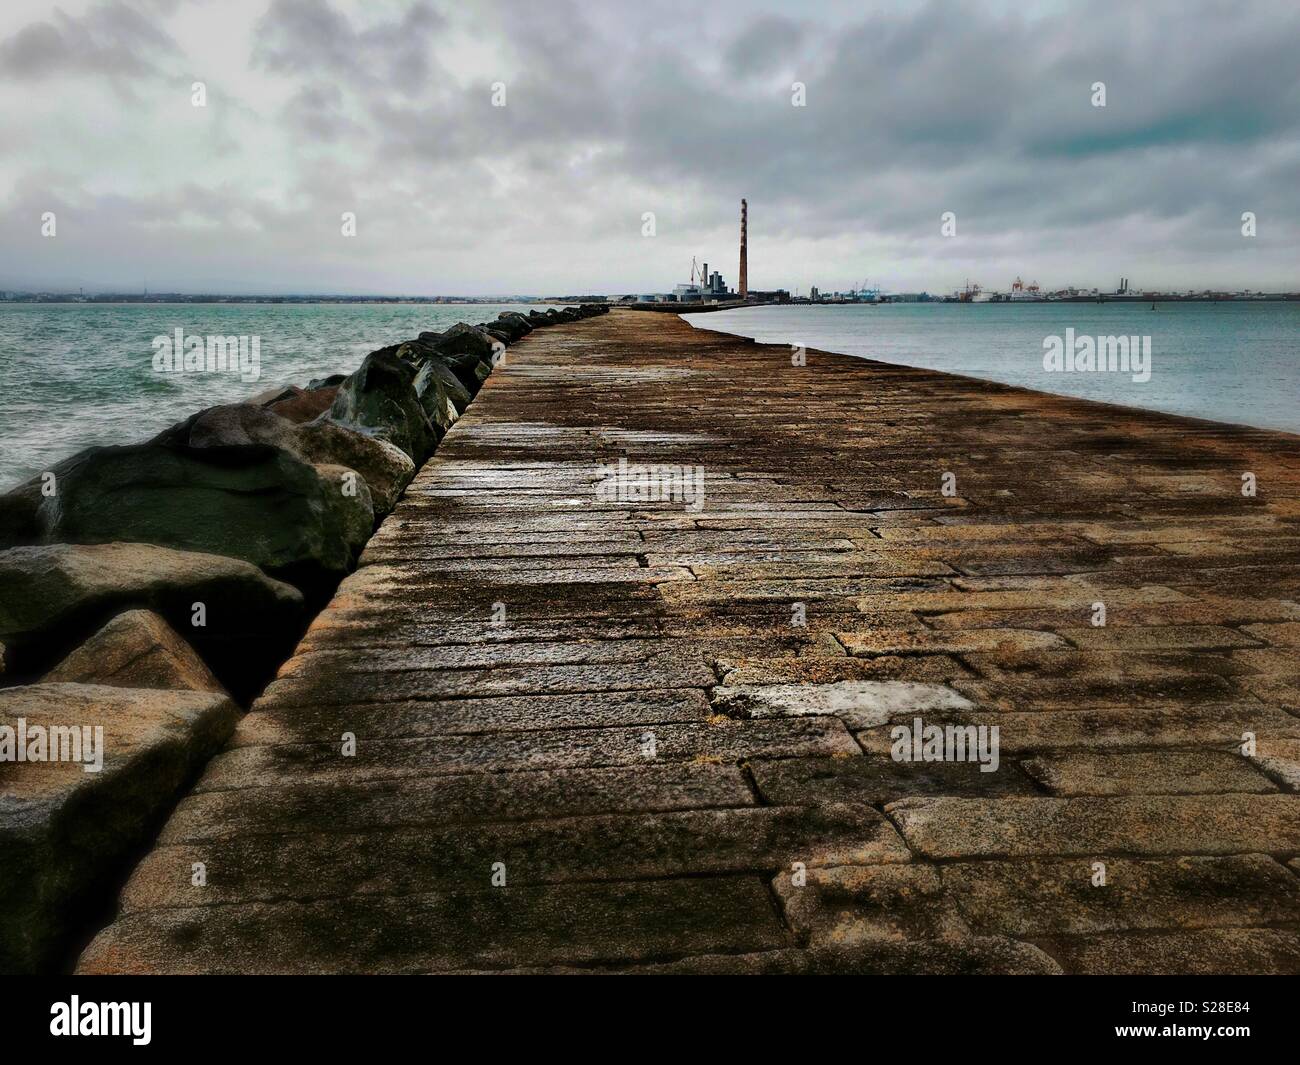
x=848 y=906
x=1144 y=824
x=1035 y=899
x=1171 y=772
x=588 y=924
x=858 y=703
x=876 y=779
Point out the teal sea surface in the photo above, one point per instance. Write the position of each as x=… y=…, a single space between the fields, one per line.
x=1227 y=361
x=75 y=375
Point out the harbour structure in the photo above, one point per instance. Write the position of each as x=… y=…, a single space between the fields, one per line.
x=1021 y=292
x=974 y=292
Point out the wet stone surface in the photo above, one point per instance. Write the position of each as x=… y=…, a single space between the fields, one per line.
x=550 y=725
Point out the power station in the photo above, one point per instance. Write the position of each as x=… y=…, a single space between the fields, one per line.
x=712 y=287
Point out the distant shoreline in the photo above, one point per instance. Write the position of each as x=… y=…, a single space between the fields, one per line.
x=685 y=307
x=434 y=301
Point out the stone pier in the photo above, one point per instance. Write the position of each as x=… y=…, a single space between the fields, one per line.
x=549 y=725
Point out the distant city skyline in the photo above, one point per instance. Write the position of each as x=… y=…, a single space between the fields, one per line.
x=517 y=148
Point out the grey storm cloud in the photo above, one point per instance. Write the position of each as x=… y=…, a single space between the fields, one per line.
x=912 y=110
x=113 y=39
x=763 y=47
x=310 y=38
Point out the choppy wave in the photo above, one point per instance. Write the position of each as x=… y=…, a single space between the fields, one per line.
x=79 y=375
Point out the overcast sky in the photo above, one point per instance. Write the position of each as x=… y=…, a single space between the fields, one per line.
x=614 y=109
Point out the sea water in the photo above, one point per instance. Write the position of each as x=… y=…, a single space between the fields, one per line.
x=1230 y=362
x=73 y=375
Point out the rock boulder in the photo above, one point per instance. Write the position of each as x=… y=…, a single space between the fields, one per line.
x=137 y=649
x=20 y=512
x=258 y=502
x=303 y=404
x=467 y=350
x=515 y=323
x=66 y=833
x=380 y=400
x=385 y=469
x=434 y=397
x=332 y=381
x=427 y=360
x=53 y=597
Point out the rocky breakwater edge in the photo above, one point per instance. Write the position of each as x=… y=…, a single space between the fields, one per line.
x=149 y=591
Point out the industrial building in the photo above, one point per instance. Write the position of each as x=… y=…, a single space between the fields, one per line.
x=705 y=285
x=709 y=285
x=702 y=286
